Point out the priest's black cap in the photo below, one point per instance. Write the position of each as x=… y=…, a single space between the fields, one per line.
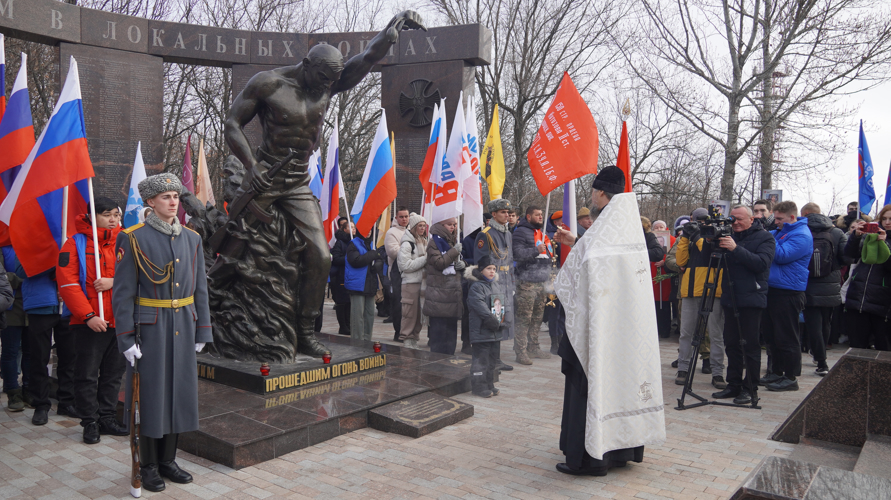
x=611 y=180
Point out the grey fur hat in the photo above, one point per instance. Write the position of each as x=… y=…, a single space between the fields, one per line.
x=157 y=184
x=498 y=204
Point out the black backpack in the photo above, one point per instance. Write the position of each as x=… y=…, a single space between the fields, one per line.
x=823 y=260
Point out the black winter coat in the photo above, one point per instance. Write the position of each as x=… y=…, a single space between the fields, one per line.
x=870 y=287
x=529 y=268
x=483 y=325
x=748 y=266
x=655 y=251
x=338 y=267
x=372 y=259
x=826 y=291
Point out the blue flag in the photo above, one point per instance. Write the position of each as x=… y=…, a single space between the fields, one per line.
x=888 y=189
x=864 y=176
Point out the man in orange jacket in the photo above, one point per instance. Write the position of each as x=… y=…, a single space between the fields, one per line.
x=100 y=366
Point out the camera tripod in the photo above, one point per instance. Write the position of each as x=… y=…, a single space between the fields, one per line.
x=717 y=262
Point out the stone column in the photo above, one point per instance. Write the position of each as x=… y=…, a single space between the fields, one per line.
x=407 y=95
x=123 y=100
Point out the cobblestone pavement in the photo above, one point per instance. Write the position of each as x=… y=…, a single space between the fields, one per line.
x=508 y=449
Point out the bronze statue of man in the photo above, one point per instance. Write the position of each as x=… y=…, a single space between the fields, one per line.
x=281 y=259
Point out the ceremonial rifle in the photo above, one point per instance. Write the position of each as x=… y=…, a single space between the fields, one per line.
x=135 y=474
x=245 y=200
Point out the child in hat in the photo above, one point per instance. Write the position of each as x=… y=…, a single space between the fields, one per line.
x=486 y=314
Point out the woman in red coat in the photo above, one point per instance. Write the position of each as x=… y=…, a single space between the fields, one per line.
x=661 y=289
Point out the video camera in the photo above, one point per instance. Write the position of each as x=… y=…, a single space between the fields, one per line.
x=715 y=225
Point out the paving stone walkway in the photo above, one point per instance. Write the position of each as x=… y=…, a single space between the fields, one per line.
x=508 y=449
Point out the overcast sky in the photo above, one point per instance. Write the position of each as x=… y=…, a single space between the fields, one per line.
x=875 y=111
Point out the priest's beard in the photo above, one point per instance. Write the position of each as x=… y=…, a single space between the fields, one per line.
x=596 y=211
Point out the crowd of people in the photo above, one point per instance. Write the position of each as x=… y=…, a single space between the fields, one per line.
x=802 y=281
x=795 y=281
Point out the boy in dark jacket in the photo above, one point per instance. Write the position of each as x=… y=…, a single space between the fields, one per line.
x=486 y=324
x=823 y=293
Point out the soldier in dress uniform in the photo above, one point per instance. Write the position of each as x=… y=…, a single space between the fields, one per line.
x=160 y=282
x=495 y=241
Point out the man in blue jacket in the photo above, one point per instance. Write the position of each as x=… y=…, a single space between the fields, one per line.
x=749 y=254
x=785 y=296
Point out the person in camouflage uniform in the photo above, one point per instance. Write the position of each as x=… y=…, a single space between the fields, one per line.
x=495 y=241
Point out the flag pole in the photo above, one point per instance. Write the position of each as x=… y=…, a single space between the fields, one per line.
x=547 y=211
x=95 y=243
x=64 y=214
x=347 y=204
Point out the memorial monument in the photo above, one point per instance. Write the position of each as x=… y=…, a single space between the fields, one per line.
x=268 y=281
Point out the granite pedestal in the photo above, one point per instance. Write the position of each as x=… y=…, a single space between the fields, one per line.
x=239 y=428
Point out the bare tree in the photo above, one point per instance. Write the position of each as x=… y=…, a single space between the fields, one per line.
x=732 y=49
x=534 y=42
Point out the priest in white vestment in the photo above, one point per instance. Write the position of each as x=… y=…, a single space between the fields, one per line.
x=613 y=397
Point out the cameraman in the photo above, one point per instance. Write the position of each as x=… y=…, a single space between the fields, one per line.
x=693 y=253
x=749 y=253
x=853 y=213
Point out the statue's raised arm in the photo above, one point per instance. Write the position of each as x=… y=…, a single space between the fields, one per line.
x=360 y=65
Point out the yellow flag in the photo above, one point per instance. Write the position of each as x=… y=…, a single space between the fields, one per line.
x=383 y=226
x=493 y=158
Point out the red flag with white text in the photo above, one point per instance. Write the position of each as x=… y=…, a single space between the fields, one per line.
x=565 y=146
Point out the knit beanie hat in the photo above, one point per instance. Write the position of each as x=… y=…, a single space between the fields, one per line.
x=413 y=220
x=611 y=180
x=160 y=183
x=699 y=213
x=484 y=262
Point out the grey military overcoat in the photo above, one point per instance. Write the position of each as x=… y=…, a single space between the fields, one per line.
x=168 y=368
x=503 y=257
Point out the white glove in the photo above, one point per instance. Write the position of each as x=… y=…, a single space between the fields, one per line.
x=199 y=346
x=132 y=354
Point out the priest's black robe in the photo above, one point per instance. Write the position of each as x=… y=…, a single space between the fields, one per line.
x=575 y=408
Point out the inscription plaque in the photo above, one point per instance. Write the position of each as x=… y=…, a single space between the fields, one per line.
x=419 y=415
x=122 y=95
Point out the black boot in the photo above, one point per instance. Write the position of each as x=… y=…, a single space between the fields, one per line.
x=148 y=461
x=343 y=318
x=306 y=339
x=167 y=466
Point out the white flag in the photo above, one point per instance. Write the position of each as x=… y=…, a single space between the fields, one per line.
x=133 y=214
x=471 y=185
x=203 y=188
x=448 y=198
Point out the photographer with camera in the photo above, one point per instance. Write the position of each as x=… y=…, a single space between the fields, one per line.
x=868 y=300
x=693 y=253
x=852 y=213
x=785 y=296
x=750 y=251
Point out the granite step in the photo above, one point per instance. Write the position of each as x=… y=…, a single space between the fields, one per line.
x=875 y=457
x=826 y=454
x=778 y=478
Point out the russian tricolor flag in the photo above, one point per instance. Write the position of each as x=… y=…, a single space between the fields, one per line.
x=331 y=188
x=16 y=138
x=378 y=187
x=315 y=173
x=431 y=156
x=16 y=127
x=58 y=159
x=2 y=74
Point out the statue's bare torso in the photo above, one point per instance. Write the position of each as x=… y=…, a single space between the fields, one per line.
x=291 y=116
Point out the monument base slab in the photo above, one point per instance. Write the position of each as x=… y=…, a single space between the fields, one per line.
x=239 y=428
